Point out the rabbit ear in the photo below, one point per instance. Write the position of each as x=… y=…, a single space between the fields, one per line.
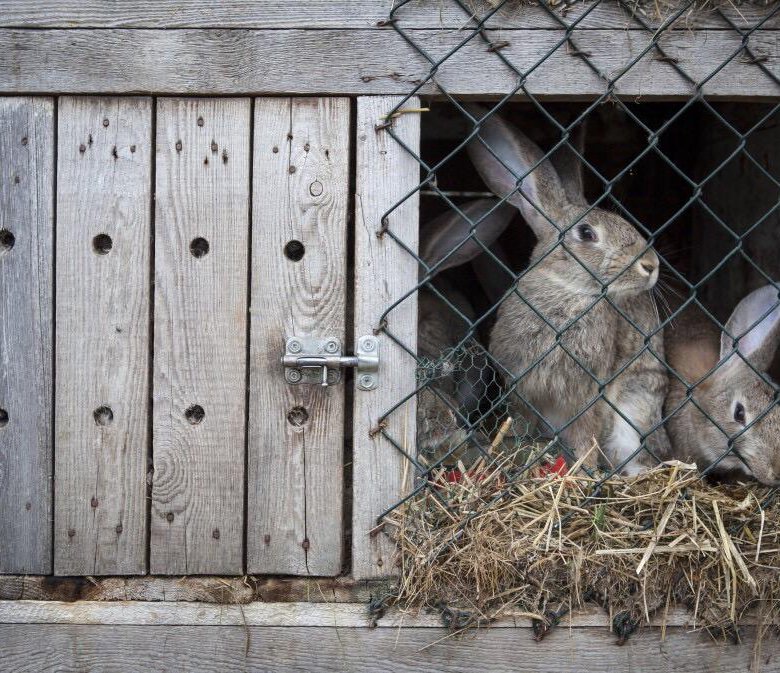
x=502 y=156
x=448 y=231
x=569 y=165
x=493 y=280
x=757 y=343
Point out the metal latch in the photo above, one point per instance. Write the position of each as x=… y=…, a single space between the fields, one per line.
x=319 y=360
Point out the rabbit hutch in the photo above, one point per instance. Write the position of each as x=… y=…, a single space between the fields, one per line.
x=429 y=334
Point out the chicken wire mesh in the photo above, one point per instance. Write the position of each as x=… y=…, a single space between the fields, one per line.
x=514 y=382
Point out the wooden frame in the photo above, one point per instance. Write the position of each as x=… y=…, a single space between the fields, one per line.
x=188 y=48
x=364 y=55
x=273 y=636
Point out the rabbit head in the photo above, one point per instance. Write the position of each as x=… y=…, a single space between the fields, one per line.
x=739 y=396
x=549 y=193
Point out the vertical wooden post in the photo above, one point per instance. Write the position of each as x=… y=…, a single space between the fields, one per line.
x=104 y=152
x=26 y=288
x=384 y=272
x=201 y=251
x=299 y=236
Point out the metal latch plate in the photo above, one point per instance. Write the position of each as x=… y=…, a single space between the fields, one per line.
x=319 y=360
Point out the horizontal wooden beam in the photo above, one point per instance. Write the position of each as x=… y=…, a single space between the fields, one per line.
x=240 y=648
x=318 y=14
x=345 y=615
x=359 y=62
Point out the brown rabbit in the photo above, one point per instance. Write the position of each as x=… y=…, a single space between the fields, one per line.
x=582 y=253
x=738 y=400
x=446 y=243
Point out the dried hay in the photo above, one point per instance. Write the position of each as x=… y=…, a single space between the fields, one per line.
x=490 y=542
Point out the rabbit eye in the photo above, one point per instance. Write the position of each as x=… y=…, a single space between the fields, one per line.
x=739 y=413
x=587 y=233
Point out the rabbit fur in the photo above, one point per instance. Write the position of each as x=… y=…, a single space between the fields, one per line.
x=562 y=290
x=738 y=399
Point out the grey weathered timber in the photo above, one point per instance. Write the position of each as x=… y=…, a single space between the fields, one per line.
x=384 y=272
x=104 y=158
x=228 y=649
x=200 y=308
x=296 y=433
x=351 y=14
x=293 y=613
x=358 y=62
x=26 y=290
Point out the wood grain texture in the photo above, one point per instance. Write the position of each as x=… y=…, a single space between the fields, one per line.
x=362 y=62
x=301 y=189
x=229 y=649
x=26 y=290
x=200 y=336
x=384 y=272
x=104 y=155
x=346 y=14
x=323 y=613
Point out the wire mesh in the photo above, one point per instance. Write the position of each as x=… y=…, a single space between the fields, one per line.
x=473 y=404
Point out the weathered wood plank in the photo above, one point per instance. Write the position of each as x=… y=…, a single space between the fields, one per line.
x=37 y=647
x=345 y=14
x=104 y=155
x=201 y=250
x=296 y=433
x=26 y=290
x=302 y=613
x=208 y=589
x=350 y=62
x=384 y=272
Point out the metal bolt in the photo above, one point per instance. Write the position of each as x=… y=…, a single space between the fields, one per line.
x=331 y=346
x=315 y=188
x=294 y=376
x=294 y=346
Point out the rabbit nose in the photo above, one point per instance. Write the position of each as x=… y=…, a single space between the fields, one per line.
x=647 y=266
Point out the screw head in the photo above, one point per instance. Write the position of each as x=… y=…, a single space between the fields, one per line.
x=331 y=346
x=368 y=344
x=333 y=376
x=367 y=382
x=294 y=346
x=294 y=376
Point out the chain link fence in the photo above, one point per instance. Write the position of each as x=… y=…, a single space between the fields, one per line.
x=583 y=339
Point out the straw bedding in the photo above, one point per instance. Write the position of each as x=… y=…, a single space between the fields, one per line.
x=479 y=542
